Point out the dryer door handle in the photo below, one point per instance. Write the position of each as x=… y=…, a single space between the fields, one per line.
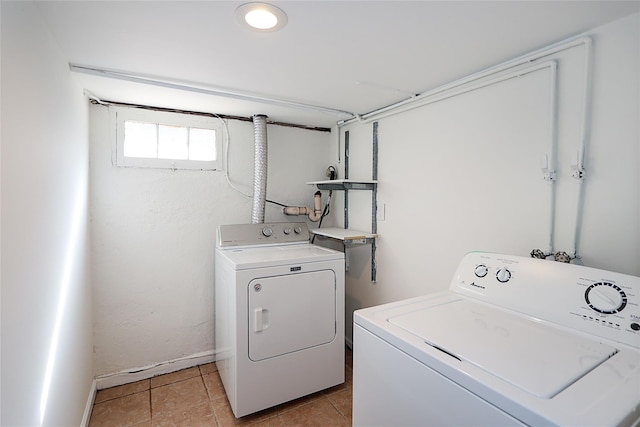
x=260 y=320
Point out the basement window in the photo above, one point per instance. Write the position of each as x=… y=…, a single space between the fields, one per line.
x=161 y=139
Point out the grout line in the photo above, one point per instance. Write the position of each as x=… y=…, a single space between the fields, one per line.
x=122 y=395
x=150 y=403
x=206 y=389
x=175 y=381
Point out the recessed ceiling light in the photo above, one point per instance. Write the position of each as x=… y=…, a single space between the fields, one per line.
x=261 y=17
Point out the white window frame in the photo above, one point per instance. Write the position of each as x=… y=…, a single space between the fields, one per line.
x=120 y=114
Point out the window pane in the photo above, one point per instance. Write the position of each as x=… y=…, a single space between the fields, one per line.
x=160 y=139
x=172 y=142
x=140 y=140
x=202 y=144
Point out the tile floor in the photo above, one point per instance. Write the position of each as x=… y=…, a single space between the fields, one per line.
x=195 y=397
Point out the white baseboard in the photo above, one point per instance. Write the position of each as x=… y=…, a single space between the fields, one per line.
x=89 y=407
x=142 y=373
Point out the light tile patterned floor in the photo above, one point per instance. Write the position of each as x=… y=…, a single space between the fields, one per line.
x=195 y=397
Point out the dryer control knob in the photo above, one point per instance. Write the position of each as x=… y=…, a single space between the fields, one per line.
x=481 y=270
x=503 y=275
x=297 y=230
x=287 y=230
x=267 y=231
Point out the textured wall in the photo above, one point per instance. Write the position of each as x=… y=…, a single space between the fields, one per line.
x=153 y=236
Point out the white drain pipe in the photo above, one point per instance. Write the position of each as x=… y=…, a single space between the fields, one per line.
x=260 y=168
x=314 y=214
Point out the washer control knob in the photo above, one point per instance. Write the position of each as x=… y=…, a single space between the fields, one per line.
x=503 y=275
x=481 y=270
x=287 y=230
x=297 y=230
x=606 y=297
x=267 y=231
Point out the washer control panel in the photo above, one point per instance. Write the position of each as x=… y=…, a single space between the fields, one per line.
x=591 y=300
x=236 y=235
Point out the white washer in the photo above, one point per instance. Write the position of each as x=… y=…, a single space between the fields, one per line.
x=279 y=316
x=514 y=341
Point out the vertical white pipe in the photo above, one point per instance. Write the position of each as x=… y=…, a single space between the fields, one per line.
x=553 y=139
x=260 y=168
x=586 y=113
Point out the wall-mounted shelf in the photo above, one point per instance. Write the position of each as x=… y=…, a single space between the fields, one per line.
x=344 y=184
x=348 y=237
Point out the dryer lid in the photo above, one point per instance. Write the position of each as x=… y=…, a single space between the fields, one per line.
x=535 y=357
x=272 y=256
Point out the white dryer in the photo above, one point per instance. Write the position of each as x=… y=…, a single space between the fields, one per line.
x=279 y=315
x=514 y=341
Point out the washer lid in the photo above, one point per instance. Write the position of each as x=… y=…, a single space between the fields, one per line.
x=539 y=359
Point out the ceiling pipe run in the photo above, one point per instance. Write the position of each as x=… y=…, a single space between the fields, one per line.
x=207 y=90
x=423 y=98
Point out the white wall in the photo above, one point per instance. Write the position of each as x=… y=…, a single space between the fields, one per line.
x=46 y=303
x=464 y=174
x=153 y=241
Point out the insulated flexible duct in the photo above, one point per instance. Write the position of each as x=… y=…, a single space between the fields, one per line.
x=260 y=168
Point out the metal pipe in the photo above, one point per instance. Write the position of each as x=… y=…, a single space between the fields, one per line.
x=553 y=139
x=460 y=91
x=190 y=87
x=260 y=168
x=416 y=101
x=578 y=173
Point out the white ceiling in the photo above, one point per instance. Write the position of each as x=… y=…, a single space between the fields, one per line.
x=355 y=56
